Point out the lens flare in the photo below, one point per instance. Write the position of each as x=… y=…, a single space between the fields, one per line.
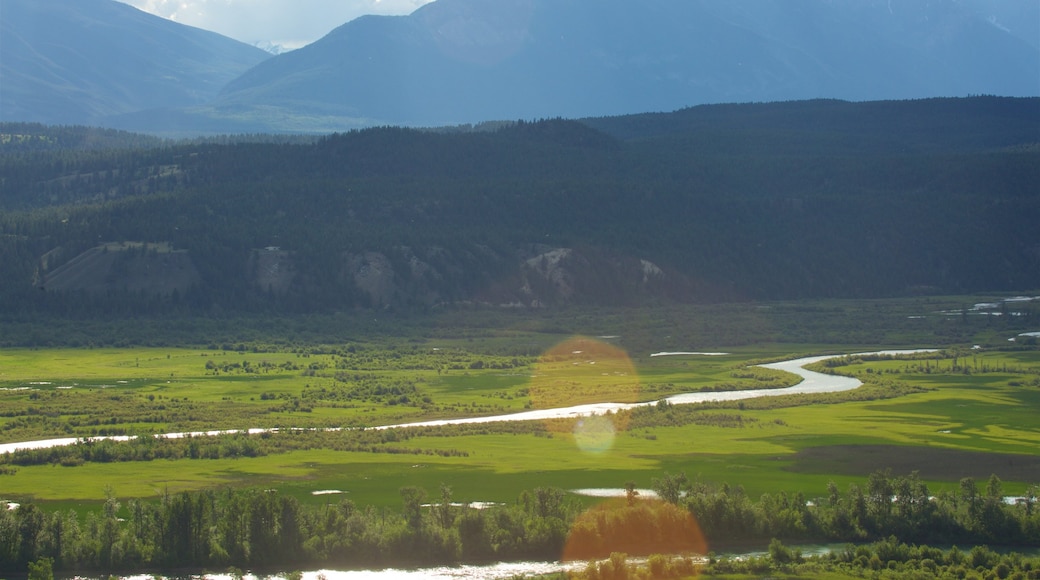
x=583 y=370
x=594 y=434
x=586 y=371
x=636 y=528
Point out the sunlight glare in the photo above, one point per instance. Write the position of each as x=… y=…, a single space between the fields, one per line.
x=594 y=434
x=635 y=527
x=582 y=371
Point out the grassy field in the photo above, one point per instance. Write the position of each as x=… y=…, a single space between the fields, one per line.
x=86 y=392
x=964 y=416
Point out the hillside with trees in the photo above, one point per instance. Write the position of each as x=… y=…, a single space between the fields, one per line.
x=715 y=203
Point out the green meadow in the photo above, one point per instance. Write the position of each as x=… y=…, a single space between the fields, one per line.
x=951 y=414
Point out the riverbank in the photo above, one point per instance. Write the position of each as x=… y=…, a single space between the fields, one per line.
x=811 y=382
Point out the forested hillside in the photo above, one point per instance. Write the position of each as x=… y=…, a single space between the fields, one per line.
x=729 y=202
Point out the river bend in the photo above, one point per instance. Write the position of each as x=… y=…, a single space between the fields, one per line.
x=812 y=382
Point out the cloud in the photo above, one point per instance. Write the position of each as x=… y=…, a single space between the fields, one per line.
x=291 y=23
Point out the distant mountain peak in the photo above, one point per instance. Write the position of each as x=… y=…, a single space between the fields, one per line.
x=466 y=61
x=270 y=47
x=81 y=61
x=273 y=47
x=453 y=62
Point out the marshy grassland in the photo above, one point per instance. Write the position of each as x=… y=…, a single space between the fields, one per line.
x=954 y=413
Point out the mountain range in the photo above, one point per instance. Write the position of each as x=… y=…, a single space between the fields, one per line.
x=467 y=61
x=85 y=61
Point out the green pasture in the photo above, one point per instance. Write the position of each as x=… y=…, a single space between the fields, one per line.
x=965 y=423
x=88 y=392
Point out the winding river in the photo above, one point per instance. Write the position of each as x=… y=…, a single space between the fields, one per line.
x=812 y=382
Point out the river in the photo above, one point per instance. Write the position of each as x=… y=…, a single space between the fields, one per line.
x=812 y=382
x=496 y=571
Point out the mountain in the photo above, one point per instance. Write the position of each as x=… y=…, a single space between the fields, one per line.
x=1020 y=19
x=81 y=61
x=465 y=61
x=271 y=47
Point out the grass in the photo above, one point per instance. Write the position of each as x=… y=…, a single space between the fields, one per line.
x=794 y=449
x=983 y=417
x=176 y=390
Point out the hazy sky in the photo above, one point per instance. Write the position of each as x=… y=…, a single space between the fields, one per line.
x=291 y=23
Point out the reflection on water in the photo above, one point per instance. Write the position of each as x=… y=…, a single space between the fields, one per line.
x=614 y=492
x=486 y=572
x=500 y=570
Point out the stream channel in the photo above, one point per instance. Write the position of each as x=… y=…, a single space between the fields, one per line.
x=812 y=382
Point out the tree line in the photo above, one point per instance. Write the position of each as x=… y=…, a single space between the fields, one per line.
x=256 y=528
x=887 y=558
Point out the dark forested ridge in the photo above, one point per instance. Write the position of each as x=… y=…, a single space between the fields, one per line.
x=728 y=202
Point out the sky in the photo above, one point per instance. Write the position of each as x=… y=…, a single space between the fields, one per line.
x=288 y=23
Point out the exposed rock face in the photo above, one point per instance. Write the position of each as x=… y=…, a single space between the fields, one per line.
x=533 y=277
x=565 y=275
x=271 y=269
x=373 y=274
x=541 y=276
x=651 y=271
x=131 y=267
x=550 y=267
